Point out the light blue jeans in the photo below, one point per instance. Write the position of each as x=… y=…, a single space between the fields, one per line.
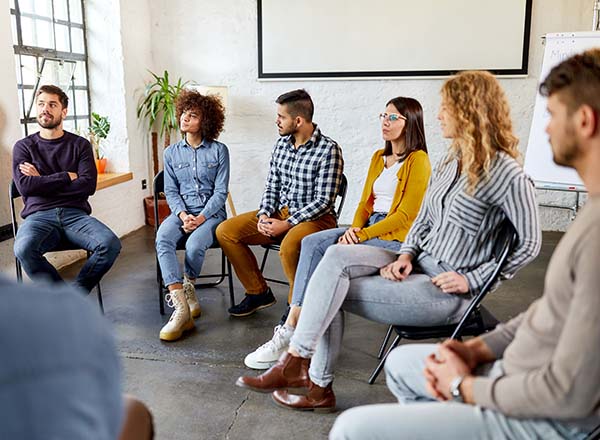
x=43 y=231
x=170 y=234
x=314 y=246
x=418 y=416
x=348 y=279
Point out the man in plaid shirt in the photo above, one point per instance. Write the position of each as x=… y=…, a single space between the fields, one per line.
x=304 y=178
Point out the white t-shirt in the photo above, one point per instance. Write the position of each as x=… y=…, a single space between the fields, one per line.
x=384 y=187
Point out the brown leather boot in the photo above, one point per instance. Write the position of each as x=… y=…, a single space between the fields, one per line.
x=288 y=373
x=317 y=399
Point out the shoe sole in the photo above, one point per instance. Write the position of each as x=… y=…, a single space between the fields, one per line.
x=173 y=336
x=325 y=410
x=260 y=365
x=293 y=390
x=239 y=315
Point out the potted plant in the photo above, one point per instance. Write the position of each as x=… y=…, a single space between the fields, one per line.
x=157 y=107
x=97 y=132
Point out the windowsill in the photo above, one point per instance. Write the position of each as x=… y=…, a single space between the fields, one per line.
x=110 y=179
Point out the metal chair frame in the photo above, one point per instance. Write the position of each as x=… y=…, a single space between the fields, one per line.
x=13 y=193
x=474 y=321
x=158 y=187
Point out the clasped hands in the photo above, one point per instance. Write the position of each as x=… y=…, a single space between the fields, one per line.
x=453 y=359
x=448 y=282
x=190 y=221
x=272 y=227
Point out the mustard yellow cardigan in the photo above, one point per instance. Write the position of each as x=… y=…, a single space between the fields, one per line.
x=413 y=177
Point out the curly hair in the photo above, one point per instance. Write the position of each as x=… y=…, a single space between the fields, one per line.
x=210 y=109
x=482 y=118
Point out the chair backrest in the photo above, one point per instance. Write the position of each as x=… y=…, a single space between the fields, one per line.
x=158 y=185
x=507 y=238
x=343 y=190
x=13 y=193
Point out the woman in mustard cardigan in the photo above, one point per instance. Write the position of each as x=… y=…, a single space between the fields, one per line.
x=391 y=198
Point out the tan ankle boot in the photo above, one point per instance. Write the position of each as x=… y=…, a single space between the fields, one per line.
x=180 y=318
x=190 y=294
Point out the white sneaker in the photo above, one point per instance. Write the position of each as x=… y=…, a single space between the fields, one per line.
x=180 y=319
x=267 y=354
x=190 y=294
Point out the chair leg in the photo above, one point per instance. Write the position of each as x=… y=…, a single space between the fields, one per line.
x=264 y=261
x=19 y=270
x=100 y=302
x=379 y=367
x=160 y=288
x=385 y=341
x=230 y=279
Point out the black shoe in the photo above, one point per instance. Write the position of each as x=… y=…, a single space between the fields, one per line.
x=285 y=316
x=252 y=303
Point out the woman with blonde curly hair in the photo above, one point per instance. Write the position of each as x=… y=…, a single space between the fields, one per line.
x=446 y=255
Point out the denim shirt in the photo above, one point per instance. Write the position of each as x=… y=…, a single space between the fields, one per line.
x=197 y=179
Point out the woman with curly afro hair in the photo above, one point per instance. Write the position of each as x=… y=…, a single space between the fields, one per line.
x=196 y=186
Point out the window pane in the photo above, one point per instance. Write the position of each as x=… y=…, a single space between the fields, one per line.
x=29 y=69
x=12 y=4
x=38 y=7
x=60 y=10
x=82 y=125
x=32 y=128
x=37 y=33
x=69 y=126
x=21 y=111
x=81 y=100
x=58 y=73
x=77 y=40
x=62 y=38
x=13 y=24
x=80 y=78
x=75 y=9
x=28 y=94
x=18 y=70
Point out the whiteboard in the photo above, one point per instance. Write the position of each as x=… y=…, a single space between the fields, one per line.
x=538 y=157
x=382 y=38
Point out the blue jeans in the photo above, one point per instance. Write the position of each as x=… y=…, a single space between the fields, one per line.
x=170 y=234
x=418 y=415
x=314 y=246
x=347 y=279
x=44 y=231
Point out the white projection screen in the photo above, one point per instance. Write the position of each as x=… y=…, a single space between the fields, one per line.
x=391 y=38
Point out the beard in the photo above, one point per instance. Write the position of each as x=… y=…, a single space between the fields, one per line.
x=566 y=153
x=291 y=130
x=50 y=123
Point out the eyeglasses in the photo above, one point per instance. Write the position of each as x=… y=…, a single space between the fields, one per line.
x=392 y=117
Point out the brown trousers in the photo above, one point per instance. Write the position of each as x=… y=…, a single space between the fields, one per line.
x=237 y=234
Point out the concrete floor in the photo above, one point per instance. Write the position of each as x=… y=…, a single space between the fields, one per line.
x=189 y=384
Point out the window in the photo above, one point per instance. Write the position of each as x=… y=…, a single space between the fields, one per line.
x=50 y=48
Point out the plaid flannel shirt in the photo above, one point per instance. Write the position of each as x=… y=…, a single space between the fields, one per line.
x=305 y=179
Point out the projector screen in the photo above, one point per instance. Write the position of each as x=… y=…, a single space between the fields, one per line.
x=391 y=38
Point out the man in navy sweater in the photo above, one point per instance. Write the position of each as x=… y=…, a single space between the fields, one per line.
x=55 y=173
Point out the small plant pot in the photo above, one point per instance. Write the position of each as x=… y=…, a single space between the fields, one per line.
x=101 y=165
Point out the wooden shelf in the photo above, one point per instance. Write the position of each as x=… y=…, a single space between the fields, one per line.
x=110 y=179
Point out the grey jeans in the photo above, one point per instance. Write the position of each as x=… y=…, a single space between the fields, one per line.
x=347 y=278
x=418 y=416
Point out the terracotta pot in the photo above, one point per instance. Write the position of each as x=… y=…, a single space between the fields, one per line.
x=101 y=165
x=163 y=210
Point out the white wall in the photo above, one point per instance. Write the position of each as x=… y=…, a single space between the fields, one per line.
x=214 y=42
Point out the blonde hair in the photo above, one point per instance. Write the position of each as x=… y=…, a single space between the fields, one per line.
x=481 y=116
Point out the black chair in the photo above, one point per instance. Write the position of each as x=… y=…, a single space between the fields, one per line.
x=595 y=434
x=13 y=193
x=159 y=186
x=474 y=321
x=277 y=247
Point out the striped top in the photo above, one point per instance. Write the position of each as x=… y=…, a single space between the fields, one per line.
x=461 y=228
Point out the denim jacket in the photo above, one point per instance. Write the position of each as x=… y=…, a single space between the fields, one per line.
x=197 y=179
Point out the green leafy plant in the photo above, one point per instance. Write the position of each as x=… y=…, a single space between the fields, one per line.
x=98 y=131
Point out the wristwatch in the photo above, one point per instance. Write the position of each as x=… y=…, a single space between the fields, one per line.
x=455 y=389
